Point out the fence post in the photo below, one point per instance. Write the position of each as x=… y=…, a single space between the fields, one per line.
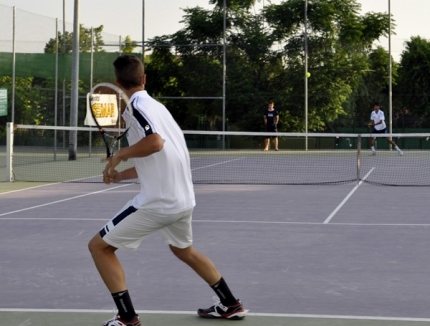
x=358 y=157
x=9 y=152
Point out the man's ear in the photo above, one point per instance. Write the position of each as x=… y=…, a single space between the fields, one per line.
x=118 y=84
x=143 y=79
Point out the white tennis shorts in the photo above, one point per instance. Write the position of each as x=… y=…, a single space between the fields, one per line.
x=130 y=225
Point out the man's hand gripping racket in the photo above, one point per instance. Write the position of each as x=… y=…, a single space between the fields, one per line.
x=103 y=113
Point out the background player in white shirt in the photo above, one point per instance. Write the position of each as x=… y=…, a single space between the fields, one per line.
x=379 y=127
x=165 y=202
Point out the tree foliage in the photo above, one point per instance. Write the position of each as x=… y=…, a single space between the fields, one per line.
x=414 y=80
x=265 y=60
x=338 y=41
x=374 y=84
x=66 y=41
x=129 y=45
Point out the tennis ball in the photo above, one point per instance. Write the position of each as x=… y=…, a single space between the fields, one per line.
x=308 y=74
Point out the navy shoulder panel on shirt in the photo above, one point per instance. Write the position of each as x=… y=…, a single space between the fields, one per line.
x=142 y=121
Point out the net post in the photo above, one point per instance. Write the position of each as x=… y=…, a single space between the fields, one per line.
x=9 y=152
x=358 y=157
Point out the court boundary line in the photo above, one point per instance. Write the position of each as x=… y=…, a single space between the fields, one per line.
x=252 y=314
x=218 y=221
x=63 y=200
x=219 y=163
x=29 y=188
x=328 y=219
x=74 y=180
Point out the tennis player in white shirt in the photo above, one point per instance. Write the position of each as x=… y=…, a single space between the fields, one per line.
x=379 y=127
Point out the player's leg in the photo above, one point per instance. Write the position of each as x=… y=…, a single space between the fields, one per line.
x=394 y=145
x=112 y=274
x=107 y=264
x=372 y=144
x=201 y=264
x=266 y=144
x=228 y=307
x=275 y=141
x=179 y=237
x=125 y=231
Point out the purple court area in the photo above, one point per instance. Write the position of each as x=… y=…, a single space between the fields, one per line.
x=328 y=250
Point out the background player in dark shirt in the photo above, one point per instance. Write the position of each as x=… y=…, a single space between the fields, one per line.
x=271 y=119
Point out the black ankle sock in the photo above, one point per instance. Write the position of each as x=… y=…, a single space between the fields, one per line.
x=224 y=293
x=124 y=305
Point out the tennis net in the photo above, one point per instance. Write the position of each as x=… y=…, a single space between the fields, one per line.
x=41 y=153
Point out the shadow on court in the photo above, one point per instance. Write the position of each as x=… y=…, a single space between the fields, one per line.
x=152 y=319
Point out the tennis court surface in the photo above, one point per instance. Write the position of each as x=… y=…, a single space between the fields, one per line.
x=347 y=254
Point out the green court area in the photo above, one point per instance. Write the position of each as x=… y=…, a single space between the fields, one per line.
x=188 y=319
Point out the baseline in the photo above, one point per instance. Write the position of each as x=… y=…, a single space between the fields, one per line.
x=63 y=200
x=268 y=319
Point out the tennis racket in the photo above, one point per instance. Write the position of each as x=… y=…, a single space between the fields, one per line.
x=108 y=105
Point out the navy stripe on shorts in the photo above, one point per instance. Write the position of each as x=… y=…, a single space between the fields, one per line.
x=121 y=216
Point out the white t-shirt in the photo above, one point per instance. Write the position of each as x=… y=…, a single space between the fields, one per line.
x=376 y=117
x=165 y=177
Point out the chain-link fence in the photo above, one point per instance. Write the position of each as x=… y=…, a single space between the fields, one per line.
x=36 y=65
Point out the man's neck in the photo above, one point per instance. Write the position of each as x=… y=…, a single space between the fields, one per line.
x=131 y=91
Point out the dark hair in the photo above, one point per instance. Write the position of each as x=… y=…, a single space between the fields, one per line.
x=128 y=71
x=376 y=104
x=271 y=102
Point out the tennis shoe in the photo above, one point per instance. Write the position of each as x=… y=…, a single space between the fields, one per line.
x=400 y=152
x=373 y=153
x=116 y=321
x=218 y=310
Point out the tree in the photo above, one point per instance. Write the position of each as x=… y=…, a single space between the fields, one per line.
x=373 y=85
x=414 y=77
x=265 y=60
x=30 y=100
x=84 y=40
x=338 y=41
x=129 y=45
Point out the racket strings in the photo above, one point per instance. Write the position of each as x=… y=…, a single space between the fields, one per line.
x=102 y=95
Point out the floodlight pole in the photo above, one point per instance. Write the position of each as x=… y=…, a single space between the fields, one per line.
x=56 y=89
x=224 y=67
x=73 y=135
x=306 y=74
x=143 y=33
x=13 y=64
x=390 y=71
x=64 y=79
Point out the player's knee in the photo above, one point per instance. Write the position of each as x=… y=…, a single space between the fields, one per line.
x=92 y=245
x=97 y=245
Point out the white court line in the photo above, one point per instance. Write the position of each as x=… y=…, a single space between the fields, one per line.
x=314 y=223
x=208 y=166
x=74 y=219
x=63 y=200
x=254 y=314
x=347 y=197
x=48 y=184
